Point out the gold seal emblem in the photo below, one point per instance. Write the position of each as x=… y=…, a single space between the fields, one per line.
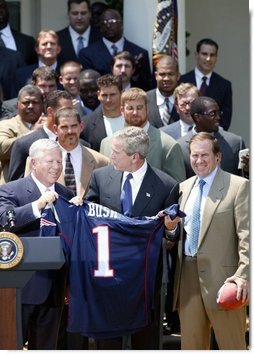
x=11 y=250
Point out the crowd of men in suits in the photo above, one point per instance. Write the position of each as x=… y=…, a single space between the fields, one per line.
x=83 y=87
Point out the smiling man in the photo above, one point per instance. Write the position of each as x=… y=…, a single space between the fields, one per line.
x=213 y=249
x=215 y=85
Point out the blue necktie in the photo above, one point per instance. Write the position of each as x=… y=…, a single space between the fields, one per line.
x=126 y=196
x=80 y=44
x=195 y=225
x=114 y=50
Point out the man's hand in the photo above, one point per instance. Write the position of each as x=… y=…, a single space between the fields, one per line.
x=46 y=198
x=77 y=200
x=171 y=224
x=242 y=288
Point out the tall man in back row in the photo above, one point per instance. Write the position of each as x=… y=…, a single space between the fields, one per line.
x=151 y=190
x=208 y=82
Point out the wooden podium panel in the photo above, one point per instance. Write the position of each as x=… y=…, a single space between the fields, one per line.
x=8 y=333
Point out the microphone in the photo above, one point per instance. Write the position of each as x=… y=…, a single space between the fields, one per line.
x=10 y=216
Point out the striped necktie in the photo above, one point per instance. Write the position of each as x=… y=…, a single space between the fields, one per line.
x=80 y=44
x=69 y=176
x=166 y=112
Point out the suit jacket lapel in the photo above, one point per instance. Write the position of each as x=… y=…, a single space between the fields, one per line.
x=145 y=194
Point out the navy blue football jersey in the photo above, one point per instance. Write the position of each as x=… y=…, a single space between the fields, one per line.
x=113 y=261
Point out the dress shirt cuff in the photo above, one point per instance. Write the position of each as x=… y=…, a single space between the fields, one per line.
x=36 y=212
x=173 y=234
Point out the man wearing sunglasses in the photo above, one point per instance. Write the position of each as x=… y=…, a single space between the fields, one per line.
x=207 y=116
x=99 y=55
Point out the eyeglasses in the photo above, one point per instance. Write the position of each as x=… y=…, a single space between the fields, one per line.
x=110 y=21
x=184 y=105
x=212 y=114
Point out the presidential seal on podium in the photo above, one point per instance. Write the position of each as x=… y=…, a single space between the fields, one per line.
x=11 y=250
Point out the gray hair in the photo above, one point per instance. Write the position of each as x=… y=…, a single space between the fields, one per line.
x=135 y=140
x=37 y=149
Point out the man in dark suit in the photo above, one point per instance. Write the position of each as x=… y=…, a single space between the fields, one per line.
x=47 y=48
x=43 y=296
x=161 y=111
x=216 y=86
x=129 y=149
x=206 y=115
x=79 y=13
x=108 y=118
x=10 y=61
x=110 y=44
x=13 y=39
x=20 y=149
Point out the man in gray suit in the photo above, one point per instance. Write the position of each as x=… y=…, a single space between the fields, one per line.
x=206 y=115
x=164 y=152
x=161 y=99
x=184 y=94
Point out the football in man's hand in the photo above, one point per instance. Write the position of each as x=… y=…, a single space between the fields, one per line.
x=226 y=297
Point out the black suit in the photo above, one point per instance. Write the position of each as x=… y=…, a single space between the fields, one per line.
x=20 y=152
x=43 y=295
x=10 y=61
x=220 y=90
x=25 y=44
x=105 y=189
x=153 y=111
x=97 y=57
x=68 y=52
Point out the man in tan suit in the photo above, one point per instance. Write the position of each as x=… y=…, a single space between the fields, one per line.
x=68 y=126
x=220 y=254
x=30 y=107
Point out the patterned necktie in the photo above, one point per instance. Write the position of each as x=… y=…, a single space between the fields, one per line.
x=114 y=50
x=203 y=87
x=126 y=196
x=195 y=223
x=80 y=44
x=69 y=176
x=2 y=44
x=166 y=113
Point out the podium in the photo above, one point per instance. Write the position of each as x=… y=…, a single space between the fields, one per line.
x=40 y=253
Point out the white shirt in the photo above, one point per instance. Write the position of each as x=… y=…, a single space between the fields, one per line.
x=119 y=44
x=184 y=127
x=188 y=209
x=75 y=36
x=49 y=133
x=42 y=189
x=8 y=38
x=160 y=100
x=199 y=77
x=113 y=124
x=41 y=64
x=136 y=182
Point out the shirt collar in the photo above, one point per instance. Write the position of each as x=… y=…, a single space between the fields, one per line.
x=208 y=179
x=74 y=152
x=119 y=44
x=75 y=35
x=160 y=98
x=49 y=133
x=42 y=187
x=53 y=66
x=138 y=174
x=6 y=31
x=200 y=75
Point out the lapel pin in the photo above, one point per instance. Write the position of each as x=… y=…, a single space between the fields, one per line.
x=147 y=194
